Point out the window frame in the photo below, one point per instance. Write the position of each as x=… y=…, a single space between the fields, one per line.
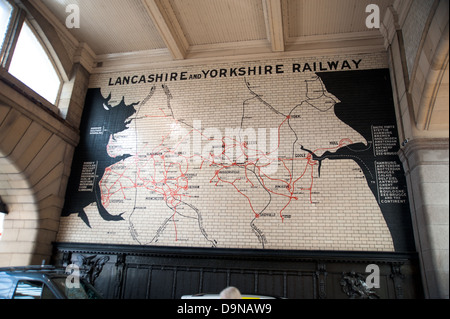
x=19 y=17
x=12 y=34
x=8 y=24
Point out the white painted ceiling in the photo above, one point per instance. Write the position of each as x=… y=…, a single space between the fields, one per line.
x=111 y=26
x=184 y=26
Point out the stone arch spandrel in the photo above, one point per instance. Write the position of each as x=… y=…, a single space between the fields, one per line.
x=20 y=226
x=32 y=169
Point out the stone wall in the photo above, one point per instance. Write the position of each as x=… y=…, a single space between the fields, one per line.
x=36 y=151
x=269 y=154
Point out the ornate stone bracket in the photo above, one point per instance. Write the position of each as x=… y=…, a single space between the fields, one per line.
x=398 y=278
x=120 y=272
x=91 y=267
x=355 y=287
x=321 y=275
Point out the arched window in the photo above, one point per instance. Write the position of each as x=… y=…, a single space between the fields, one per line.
x=31 y=65
x=25 y=56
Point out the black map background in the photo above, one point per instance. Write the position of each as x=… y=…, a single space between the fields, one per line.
x=93 y=148
x=366 y=101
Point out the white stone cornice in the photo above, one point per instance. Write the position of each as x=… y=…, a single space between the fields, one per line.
x=351 y=43
x=85 y=56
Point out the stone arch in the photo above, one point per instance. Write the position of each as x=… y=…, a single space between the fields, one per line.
x=34 y=163
x=20 y=227
x=434 y=98
x=429 y=78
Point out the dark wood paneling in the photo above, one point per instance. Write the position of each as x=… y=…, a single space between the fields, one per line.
x=136 y=272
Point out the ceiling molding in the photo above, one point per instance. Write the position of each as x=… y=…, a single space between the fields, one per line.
x=85 y=56
x=168 y=26
x=53 y=20
x=274 y=24
x=238 y=52
x=373 y=35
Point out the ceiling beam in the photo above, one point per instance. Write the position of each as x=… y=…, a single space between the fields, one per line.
x=274 y=24
x=168 y=26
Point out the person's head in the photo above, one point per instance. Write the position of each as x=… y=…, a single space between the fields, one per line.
x=231 y=293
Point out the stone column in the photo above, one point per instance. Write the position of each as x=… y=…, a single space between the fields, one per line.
x=426 y=163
